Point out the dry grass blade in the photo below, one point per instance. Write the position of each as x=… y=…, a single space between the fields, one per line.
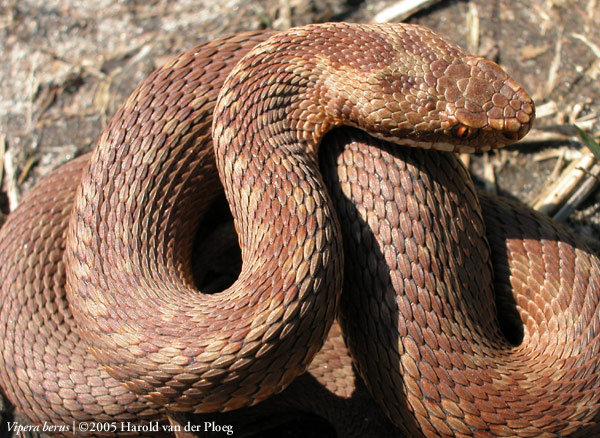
x=595 y=48
x=555 y=65
x=26 y=169
x=401 y=10
x=559 y=166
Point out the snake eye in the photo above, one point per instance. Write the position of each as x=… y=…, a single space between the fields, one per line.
x=463 y=132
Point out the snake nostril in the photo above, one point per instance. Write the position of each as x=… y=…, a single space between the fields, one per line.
x=512 y=136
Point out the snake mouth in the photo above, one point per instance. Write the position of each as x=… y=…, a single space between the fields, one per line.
x=511 y=136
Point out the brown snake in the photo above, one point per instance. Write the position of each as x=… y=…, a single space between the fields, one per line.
x=101 y=319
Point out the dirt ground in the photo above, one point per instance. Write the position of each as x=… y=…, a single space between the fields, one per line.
x=69 y=64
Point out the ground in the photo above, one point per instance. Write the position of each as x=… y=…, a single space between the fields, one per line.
x=69 y=64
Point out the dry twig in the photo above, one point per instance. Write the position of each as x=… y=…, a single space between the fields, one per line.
x=11 y=186
x=555 y=65
x=401 y=10
x=473 y=26
x=588 y=185
x=571 y=180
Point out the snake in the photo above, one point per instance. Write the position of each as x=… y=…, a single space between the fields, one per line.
x=102 y=320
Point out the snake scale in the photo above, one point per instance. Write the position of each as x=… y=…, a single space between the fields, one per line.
x=101 y=318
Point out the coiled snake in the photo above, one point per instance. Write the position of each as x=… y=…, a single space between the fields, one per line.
x=101 y=319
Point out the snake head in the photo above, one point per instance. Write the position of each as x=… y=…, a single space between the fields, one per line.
x=422 y=90
x=484 y=107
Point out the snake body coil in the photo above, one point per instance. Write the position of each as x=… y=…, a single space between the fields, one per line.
x=140 y=337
